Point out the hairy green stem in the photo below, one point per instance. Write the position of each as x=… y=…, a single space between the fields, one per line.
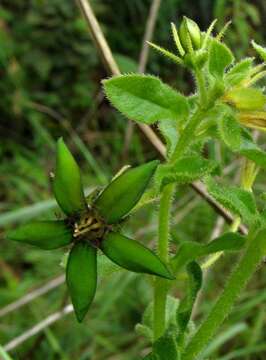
x=235 y=284
x=201 y=88
x=187 y=135
x=161 y=286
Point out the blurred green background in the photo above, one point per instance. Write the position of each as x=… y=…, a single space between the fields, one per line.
x=50 y=87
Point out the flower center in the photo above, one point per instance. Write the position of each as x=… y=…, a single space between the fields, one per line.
x=90 y=225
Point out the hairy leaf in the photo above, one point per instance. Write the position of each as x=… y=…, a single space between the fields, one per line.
x=220 y=58
x=145 y=98
x=169 y=131
x=239 y=72
x=239 y=201
x=185 y=170
x=190 y=250
x=260 y=50
x=230 y=131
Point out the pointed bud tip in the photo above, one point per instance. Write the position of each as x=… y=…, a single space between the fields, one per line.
x=80 y=314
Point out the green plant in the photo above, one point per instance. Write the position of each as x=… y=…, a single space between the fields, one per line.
x=224 y=104
x=92 y=226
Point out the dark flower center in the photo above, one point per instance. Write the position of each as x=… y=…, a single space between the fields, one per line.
x=90 y=226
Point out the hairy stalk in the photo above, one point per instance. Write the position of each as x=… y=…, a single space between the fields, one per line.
x=235 y=284
x=201 y=88
x=243 y=271
x=161 y=286
x=187 y=135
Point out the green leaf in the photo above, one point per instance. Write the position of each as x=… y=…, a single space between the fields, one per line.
x=184 y=310
x=230 y=131
x=251 y=151
x=67 y=184
x=123 y=193
x=133 y=256
x=260 y=50
x=220 y=57
x=237 y=200
x=145 y=98
x=151 y=356
x=165 y=348
x=190 y=250
x=81 y=277
x=46 y=235
x=169 y=131
x=239 y=72
x=185 y=170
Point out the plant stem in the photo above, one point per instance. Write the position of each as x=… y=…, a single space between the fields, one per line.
x=187 y=135
x=236 y=282
x=201 y=87
x=161 y=285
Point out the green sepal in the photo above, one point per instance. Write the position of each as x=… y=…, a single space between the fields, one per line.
x=81 y=277
x=189 y=33
x=67 y=184
x=260 y=50
x=123 y=193
x=46 y=235
x=133 y=256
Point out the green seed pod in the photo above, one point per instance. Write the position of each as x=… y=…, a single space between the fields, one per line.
x=67 y=184
x=46 y=235
x=189 y=34
x=81 y=277
x=123 y=193
x=133 y=256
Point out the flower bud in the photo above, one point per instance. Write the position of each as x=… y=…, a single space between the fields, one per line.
x=253 y=119
x=189 y=34
x=246 y=98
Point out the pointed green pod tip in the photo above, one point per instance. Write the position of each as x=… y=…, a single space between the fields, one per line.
x=133 y=256
x=67 y=185
x=46 y=235
x=189 y=31
x=123 y=193
x=81 y=277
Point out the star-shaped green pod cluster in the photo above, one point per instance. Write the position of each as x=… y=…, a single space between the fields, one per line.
x=90 y=227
